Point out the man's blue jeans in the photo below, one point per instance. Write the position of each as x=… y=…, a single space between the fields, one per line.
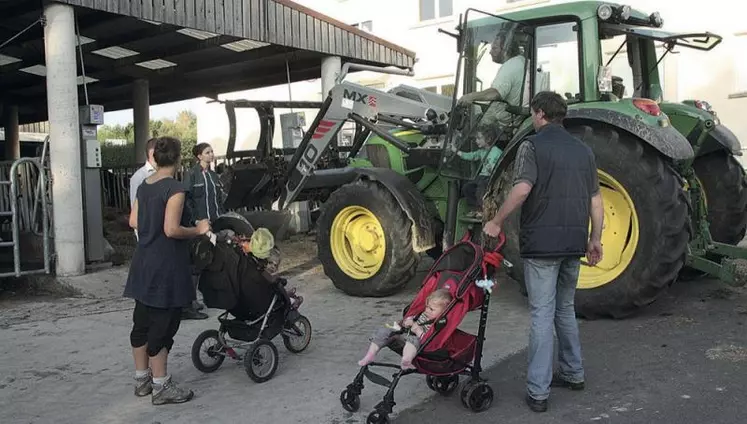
x=551 y=285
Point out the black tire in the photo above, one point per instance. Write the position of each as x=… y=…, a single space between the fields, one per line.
x=400 y=260
x=254 y=355
x=443 y=385
x=218 y=356
x=350 y=401
x=725 y=186
x=477 y=396
x=304 y=325
x=662 y=209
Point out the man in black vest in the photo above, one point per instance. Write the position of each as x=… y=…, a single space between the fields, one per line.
x=556 y=186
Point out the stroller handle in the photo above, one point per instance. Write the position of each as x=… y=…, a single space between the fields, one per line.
x=498 y=246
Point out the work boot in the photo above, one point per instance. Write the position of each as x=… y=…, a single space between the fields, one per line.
x=197 y=305
x=144 y=385
x=558 y=381
x=169 y=392
x=536 y=405
x=192 y=313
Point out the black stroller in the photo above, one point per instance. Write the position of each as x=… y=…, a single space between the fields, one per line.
x=257 y=306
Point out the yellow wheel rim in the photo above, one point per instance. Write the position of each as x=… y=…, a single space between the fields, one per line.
x=702 y=191
x=357 y=242
x=620 y=235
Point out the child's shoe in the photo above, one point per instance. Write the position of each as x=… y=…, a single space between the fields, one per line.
x=169 y=392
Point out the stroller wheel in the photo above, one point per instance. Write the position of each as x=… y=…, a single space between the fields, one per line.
x=443 y=385
x=477 y=396
x=261 y=361
x=377 y=417
x=209 y=346
x=350 y=401
x=297 y=338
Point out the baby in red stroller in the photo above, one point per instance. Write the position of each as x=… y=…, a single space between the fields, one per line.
x=458 y=283
x=412 y=329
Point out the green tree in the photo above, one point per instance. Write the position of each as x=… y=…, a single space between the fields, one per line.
x=183 y=127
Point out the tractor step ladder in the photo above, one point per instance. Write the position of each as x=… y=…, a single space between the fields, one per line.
x=39 y=193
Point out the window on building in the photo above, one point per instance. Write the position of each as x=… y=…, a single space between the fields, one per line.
x=364 y=25
x=740 y=66
x=432 y=9
x=445 y=89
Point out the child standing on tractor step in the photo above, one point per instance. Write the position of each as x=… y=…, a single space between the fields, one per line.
x=488 y=154
x=412 y=330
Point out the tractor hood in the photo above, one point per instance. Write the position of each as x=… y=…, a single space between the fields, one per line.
x=694 y=40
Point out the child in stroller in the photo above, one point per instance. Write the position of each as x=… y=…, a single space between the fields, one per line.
x=445 y=351
x=411 y=330
x=237 y=269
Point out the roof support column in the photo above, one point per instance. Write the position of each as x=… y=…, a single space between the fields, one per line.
x=64 y=135
x=12 y=134
x=331 y=67
x=141 y=117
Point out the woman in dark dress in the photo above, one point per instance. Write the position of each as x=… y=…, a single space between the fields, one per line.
x=160 y=275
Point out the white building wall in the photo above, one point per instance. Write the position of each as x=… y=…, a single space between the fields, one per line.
x=719 y=76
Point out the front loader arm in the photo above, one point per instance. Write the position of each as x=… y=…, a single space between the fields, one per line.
x=363 y=105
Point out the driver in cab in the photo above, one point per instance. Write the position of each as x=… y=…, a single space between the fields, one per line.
x=506 y=87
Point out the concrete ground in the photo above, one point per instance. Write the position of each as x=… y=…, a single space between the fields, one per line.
x=682 y=361
x=68 y=360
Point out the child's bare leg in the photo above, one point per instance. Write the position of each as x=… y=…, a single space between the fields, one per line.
x=408 y=354
x=381 y=337
x=370 y=355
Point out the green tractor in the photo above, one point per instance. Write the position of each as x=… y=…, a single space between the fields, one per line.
x=674 y=195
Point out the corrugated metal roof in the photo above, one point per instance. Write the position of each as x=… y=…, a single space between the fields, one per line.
x=280 y=22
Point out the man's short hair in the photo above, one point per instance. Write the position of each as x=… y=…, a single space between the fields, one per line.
x=552 y=104
x=150 y=145
x=167 y=151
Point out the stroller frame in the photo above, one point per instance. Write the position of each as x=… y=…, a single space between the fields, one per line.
x=476 y=394
x=244 y=334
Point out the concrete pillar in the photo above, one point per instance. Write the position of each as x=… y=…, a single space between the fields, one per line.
x=64 y=146
x=141 y=117
x=12 y=135
x=331 y=67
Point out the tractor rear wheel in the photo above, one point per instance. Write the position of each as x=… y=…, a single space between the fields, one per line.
x=364 y=241
x=646 y=226
x=725 y=188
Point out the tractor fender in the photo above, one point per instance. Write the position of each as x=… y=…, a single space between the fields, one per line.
x=720 y=138
x=667 y=140
x=410 y=199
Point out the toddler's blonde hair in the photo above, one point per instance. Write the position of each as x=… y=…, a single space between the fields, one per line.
x=440 y=296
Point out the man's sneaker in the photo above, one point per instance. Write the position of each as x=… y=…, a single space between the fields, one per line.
x=558 y=381
x=143 y=386
x=169 y=392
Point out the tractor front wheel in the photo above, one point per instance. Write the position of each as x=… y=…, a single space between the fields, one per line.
x=365 y=241
x=646 y=226
x=725 y=190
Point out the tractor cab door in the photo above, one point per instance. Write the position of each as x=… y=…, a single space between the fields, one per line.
x=493 y=99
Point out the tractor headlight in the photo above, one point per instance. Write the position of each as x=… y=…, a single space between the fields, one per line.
x=604 y=11
x=625 y=12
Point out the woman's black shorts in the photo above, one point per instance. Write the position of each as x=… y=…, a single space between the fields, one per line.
x=155 y=327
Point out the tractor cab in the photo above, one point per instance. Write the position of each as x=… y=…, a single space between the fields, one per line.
x=496 y=58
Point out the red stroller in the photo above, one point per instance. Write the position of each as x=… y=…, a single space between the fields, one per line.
x=445 y=352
